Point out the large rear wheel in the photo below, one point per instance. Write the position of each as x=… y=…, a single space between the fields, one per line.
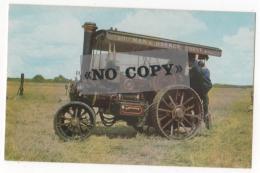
x=177 y=112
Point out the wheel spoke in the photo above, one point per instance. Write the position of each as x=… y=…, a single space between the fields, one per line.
x=73 y=131
x=178 y=127
x=187 y=101
x=173 y=103
x=189 y=108
x=166 y=103
x=74 y=111
x=62 y=124
x=80 y=130
x=163 y=117
x=164 y=110
x=86 y=128
x=182 y=97
x=193 y=116
x=71 y=114
x=185 y=119
x=176 y=96
x=166 y=124
x=64 y=117
x=172 y=129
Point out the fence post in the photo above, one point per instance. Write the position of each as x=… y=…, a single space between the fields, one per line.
x=20 y=90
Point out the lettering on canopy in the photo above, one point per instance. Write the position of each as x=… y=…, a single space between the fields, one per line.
x=167 y=44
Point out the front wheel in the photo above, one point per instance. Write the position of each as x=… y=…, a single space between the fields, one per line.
x=74 y=121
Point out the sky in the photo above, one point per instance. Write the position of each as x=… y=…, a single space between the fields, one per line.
x=48 y=40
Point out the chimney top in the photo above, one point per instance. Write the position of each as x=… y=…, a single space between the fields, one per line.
x=89 y=27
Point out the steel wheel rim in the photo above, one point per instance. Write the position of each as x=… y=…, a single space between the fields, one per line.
x=74 y=122
x=179 y=116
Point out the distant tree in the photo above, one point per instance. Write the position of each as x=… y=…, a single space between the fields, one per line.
x=60 y=78
x=38 y=78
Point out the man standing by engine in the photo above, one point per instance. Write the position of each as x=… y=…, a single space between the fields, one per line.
x=201 y=83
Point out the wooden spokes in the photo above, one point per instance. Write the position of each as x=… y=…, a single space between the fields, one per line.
x=178 y=112
x=74 y=120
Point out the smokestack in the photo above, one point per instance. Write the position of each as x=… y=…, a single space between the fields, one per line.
x=89 y=29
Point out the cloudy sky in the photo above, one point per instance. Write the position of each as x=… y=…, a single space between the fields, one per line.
x=48 y=40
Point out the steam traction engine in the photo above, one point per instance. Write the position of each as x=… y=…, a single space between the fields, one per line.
x=175 y=111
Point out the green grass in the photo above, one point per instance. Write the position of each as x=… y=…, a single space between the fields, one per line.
x=30 y=135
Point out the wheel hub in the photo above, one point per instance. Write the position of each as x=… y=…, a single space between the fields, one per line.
x=179 y=112
x=74 y=121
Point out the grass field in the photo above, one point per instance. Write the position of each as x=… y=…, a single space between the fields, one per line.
x=30 y=135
